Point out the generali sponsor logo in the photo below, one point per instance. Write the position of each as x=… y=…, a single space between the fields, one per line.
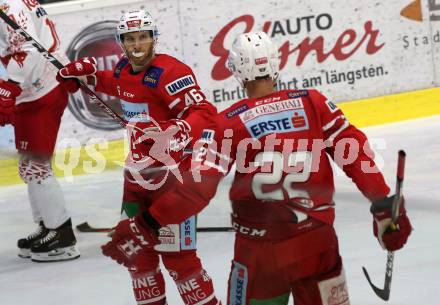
x=365 y=38
x=270 y=109
x=414 y=11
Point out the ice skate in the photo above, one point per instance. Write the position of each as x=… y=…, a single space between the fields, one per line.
x=58 y=245
x=24 y=244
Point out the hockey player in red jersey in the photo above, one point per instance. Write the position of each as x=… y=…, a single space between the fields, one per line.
x=157 y=92
x=282 y=195
x=33 y=101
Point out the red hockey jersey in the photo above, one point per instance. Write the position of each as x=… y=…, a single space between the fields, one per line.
x=167 y=89
x=281 y=145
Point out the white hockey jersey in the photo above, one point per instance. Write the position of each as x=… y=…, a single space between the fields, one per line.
x=23 y=63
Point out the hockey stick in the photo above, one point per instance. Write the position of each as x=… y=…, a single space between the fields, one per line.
x=384 y=293
x=86 y=228
x=59 y=65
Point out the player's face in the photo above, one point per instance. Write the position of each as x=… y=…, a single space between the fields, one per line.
x=138 y=47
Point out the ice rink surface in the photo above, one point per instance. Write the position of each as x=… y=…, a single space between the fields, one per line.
x=96 y=280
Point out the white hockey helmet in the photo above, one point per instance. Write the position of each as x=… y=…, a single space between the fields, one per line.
x=136 y=21
x=253 y=56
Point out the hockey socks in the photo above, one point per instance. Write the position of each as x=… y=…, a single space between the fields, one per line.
x=148 y=287
x=197 y=289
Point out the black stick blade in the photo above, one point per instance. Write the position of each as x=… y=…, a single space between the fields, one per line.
x=86 y=228
x=384 y=294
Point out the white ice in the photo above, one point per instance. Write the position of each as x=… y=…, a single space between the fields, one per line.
x=96 y=280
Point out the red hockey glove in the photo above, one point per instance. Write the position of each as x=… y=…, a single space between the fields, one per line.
x=83 y=69
x=71 y=85
x=129 y=239
x=388 y=238
x=8 y=94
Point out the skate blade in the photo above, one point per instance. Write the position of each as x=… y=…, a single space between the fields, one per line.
x=24 y=253
x=57 y=255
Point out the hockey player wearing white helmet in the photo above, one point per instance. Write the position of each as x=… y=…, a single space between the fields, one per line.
x=137 y=35
x=253 y=56
x=157 y=91
x=282 y=193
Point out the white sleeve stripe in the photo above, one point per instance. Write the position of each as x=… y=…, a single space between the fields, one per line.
x=220 y=155
x=174 y=103
x=215 y=166
x=188 y=127
x=179 y=116
x=187 y=107
x=330 y=125
x=335 y=134
x=323 y=207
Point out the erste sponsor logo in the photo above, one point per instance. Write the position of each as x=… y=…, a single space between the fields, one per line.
x=187 y=232
x=282 y=122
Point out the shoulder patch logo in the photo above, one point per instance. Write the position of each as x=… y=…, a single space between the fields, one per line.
x=237 y=111
x=152 y=76
x=299 y=93
x=180 y=84
x=120 y=65
x=331 y=106
x=207 y=136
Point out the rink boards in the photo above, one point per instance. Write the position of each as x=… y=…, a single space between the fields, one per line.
x=350 y=51
x=361 y=113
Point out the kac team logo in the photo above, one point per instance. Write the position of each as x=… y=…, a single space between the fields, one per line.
x=97 y=40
